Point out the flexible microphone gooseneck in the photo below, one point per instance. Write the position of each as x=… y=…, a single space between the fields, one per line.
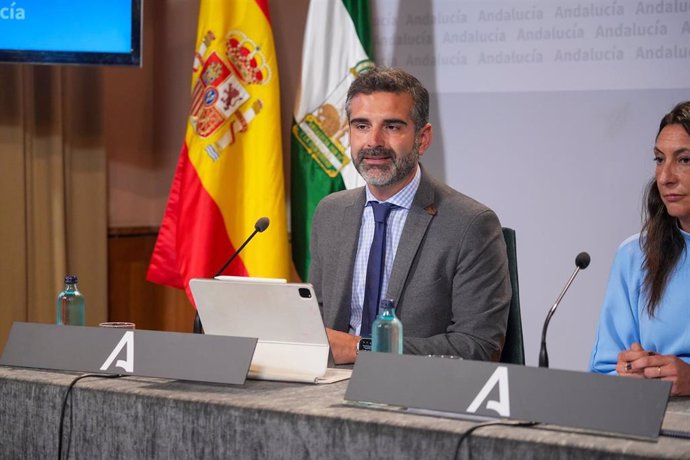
x=581 y=262
x=259 y=226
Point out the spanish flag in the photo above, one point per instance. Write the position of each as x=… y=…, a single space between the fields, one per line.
x=230 y=171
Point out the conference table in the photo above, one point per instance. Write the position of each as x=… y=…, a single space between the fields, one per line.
x=152 y=418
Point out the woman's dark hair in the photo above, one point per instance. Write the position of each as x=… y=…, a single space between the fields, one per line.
x=663 y=244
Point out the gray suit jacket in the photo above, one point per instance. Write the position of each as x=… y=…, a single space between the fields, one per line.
x=449 y=279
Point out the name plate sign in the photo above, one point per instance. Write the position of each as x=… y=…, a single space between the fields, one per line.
x=484 y=390
x=205 y=358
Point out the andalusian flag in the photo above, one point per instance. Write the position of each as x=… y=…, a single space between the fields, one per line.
x=230 y=171
x=336 y=47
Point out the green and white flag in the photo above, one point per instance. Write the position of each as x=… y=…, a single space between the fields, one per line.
x=337 y=46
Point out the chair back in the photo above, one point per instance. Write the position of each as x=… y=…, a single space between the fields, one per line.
x=514 y=348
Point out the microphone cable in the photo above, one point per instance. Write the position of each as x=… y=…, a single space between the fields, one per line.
x=675 y=434
x=472 y=429
x=68 y=395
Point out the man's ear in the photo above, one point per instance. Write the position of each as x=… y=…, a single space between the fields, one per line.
x=424 y=138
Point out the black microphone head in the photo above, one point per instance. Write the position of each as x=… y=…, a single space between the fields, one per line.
x=262 y=224
x=582 y=260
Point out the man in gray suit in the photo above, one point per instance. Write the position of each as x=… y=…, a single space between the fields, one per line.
x=445 y=262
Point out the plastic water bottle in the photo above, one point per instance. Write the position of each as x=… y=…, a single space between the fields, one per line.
x=70 y=304
x=387 y=330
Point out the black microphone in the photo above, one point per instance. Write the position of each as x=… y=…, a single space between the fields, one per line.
x=581 y=262
x=259 y=226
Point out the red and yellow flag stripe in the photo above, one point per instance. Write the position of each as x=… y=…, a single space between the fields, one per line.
x=230 y=171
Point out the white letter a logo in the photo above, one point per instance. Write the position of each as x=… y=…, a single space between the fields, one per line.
x=127 y=340
x=502 y=406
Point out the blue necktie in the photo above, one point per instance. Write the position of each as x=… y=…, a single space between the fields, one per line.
x=375 y=267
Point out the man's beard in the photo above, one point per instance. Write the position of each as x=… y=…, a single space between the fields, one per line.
x=398 y=169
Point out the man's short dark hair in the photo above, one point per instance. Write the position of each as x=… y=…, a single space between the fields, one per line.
x=392 y=80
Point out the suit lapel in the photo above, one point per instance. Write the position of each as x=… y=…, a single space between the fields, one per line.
x=418 y=219
x=348 y=240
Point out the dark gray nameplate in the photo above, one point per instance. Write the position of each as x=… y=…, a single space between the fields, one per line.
x=624 y=406
x=205 y=358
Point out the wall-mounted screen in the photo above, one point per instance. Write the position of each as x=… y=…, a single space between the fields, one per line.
x=71 y=31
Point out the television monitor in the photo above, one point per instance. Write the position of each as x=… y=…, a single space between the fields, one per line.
x=71 y=32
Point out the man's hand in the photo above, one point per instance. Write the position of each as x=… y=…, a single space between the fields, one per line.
x=343 y=346
x=647 y=364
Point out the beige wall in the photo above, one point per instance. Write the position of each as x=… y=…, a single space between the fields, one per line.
x=146 y=109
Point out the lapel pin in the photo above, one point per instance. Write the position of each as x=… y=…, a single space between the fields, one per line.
x=431 y=210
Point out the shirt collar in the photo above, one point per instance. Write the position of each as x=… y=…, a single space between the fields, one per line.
x=405 y=196
x=685 y=234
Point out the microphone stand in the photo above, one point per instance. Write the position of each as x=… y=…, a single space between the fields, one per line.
x=581 y=262
x=232 y=257
x=198 y=329
x=260 y=226
x=543 y=354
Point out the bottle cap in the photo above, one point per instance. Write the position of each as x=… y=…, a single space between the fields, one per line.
x=387 y=303
x=71 y=279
